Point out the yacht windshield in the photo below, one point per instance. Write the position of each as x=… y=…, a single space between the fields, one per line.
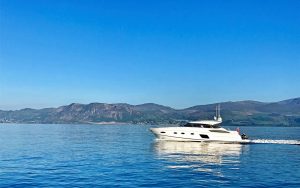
x=201 y=125
x=192 y=125
x=216 y=126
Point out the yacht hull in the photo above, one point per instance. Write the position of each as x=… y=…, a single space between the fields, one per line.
x=191 y=134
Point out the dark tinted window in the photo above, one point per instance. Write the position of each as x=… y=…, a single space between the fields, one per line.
x=162 y=132
x=204 y=136
x=188 y=125
x=200 y=125
x=192 y=125
x=219 y=131
x=175 y=132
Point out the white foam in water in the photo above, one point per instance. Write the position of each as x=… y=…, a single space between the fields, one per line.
x=265 y=141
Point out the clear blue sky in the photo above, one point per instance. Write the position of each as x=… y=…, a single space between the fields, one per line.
x=178 y=53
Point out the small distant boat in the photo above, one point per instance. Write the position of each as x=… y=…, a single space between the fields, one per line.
x=201 y=131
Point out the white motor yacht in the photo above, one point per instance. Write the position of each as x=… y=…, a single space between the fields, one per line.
x=201 y=131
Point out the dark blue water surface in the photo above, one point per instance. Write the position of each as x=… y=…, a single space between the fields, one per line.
x=129 y=156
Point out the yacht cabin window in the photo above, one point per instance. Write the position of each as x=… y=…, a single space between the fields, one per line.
x=201 y=125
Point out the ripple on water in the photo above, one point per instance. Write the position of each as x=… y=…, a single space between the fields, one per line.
x=128 y=156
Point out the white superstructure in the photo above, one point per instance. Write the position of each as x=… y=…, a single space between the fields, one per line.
x=200 y=131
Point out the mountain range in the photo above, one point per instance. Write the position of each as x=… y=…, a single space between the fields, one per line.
x=282 y=113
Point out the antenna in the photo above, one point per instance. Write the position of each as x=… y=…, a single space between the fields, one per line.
x=216 y=116
x=219 y=113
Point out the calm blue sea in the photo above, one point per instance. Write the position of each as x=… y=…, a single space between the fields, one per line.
x=129 y=156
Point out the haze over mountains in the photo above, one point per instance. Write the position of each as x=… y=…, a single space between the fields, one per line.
x=282 y=113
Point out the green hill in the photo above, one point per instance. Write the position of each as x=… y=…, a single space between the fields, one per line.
x=282 y=113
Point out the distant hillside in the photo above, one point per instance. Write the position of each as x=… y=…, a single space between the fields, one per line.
x=283 y=113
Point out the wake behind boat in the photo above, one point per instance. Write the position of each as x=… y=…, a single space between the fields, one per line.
x=201 y=131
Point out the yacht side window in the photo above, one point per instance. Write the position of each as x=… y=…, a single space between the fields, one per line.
x=188 y=125
x=204 y=136
x=216 y=126
x=206 y=126
x=175 y=132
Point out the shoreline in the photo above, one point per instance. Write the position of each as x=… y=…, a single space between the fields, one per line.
x=137 y=124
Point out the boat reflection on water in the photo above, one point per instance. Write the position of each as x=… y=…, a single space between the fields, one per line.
x=200 y=156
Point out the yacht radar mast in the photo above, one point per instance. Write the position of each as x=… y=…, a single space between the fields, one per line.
x=218 y=113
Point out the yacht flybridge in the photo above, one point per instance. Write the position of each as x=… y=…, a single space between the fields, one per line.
x=201 y=131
